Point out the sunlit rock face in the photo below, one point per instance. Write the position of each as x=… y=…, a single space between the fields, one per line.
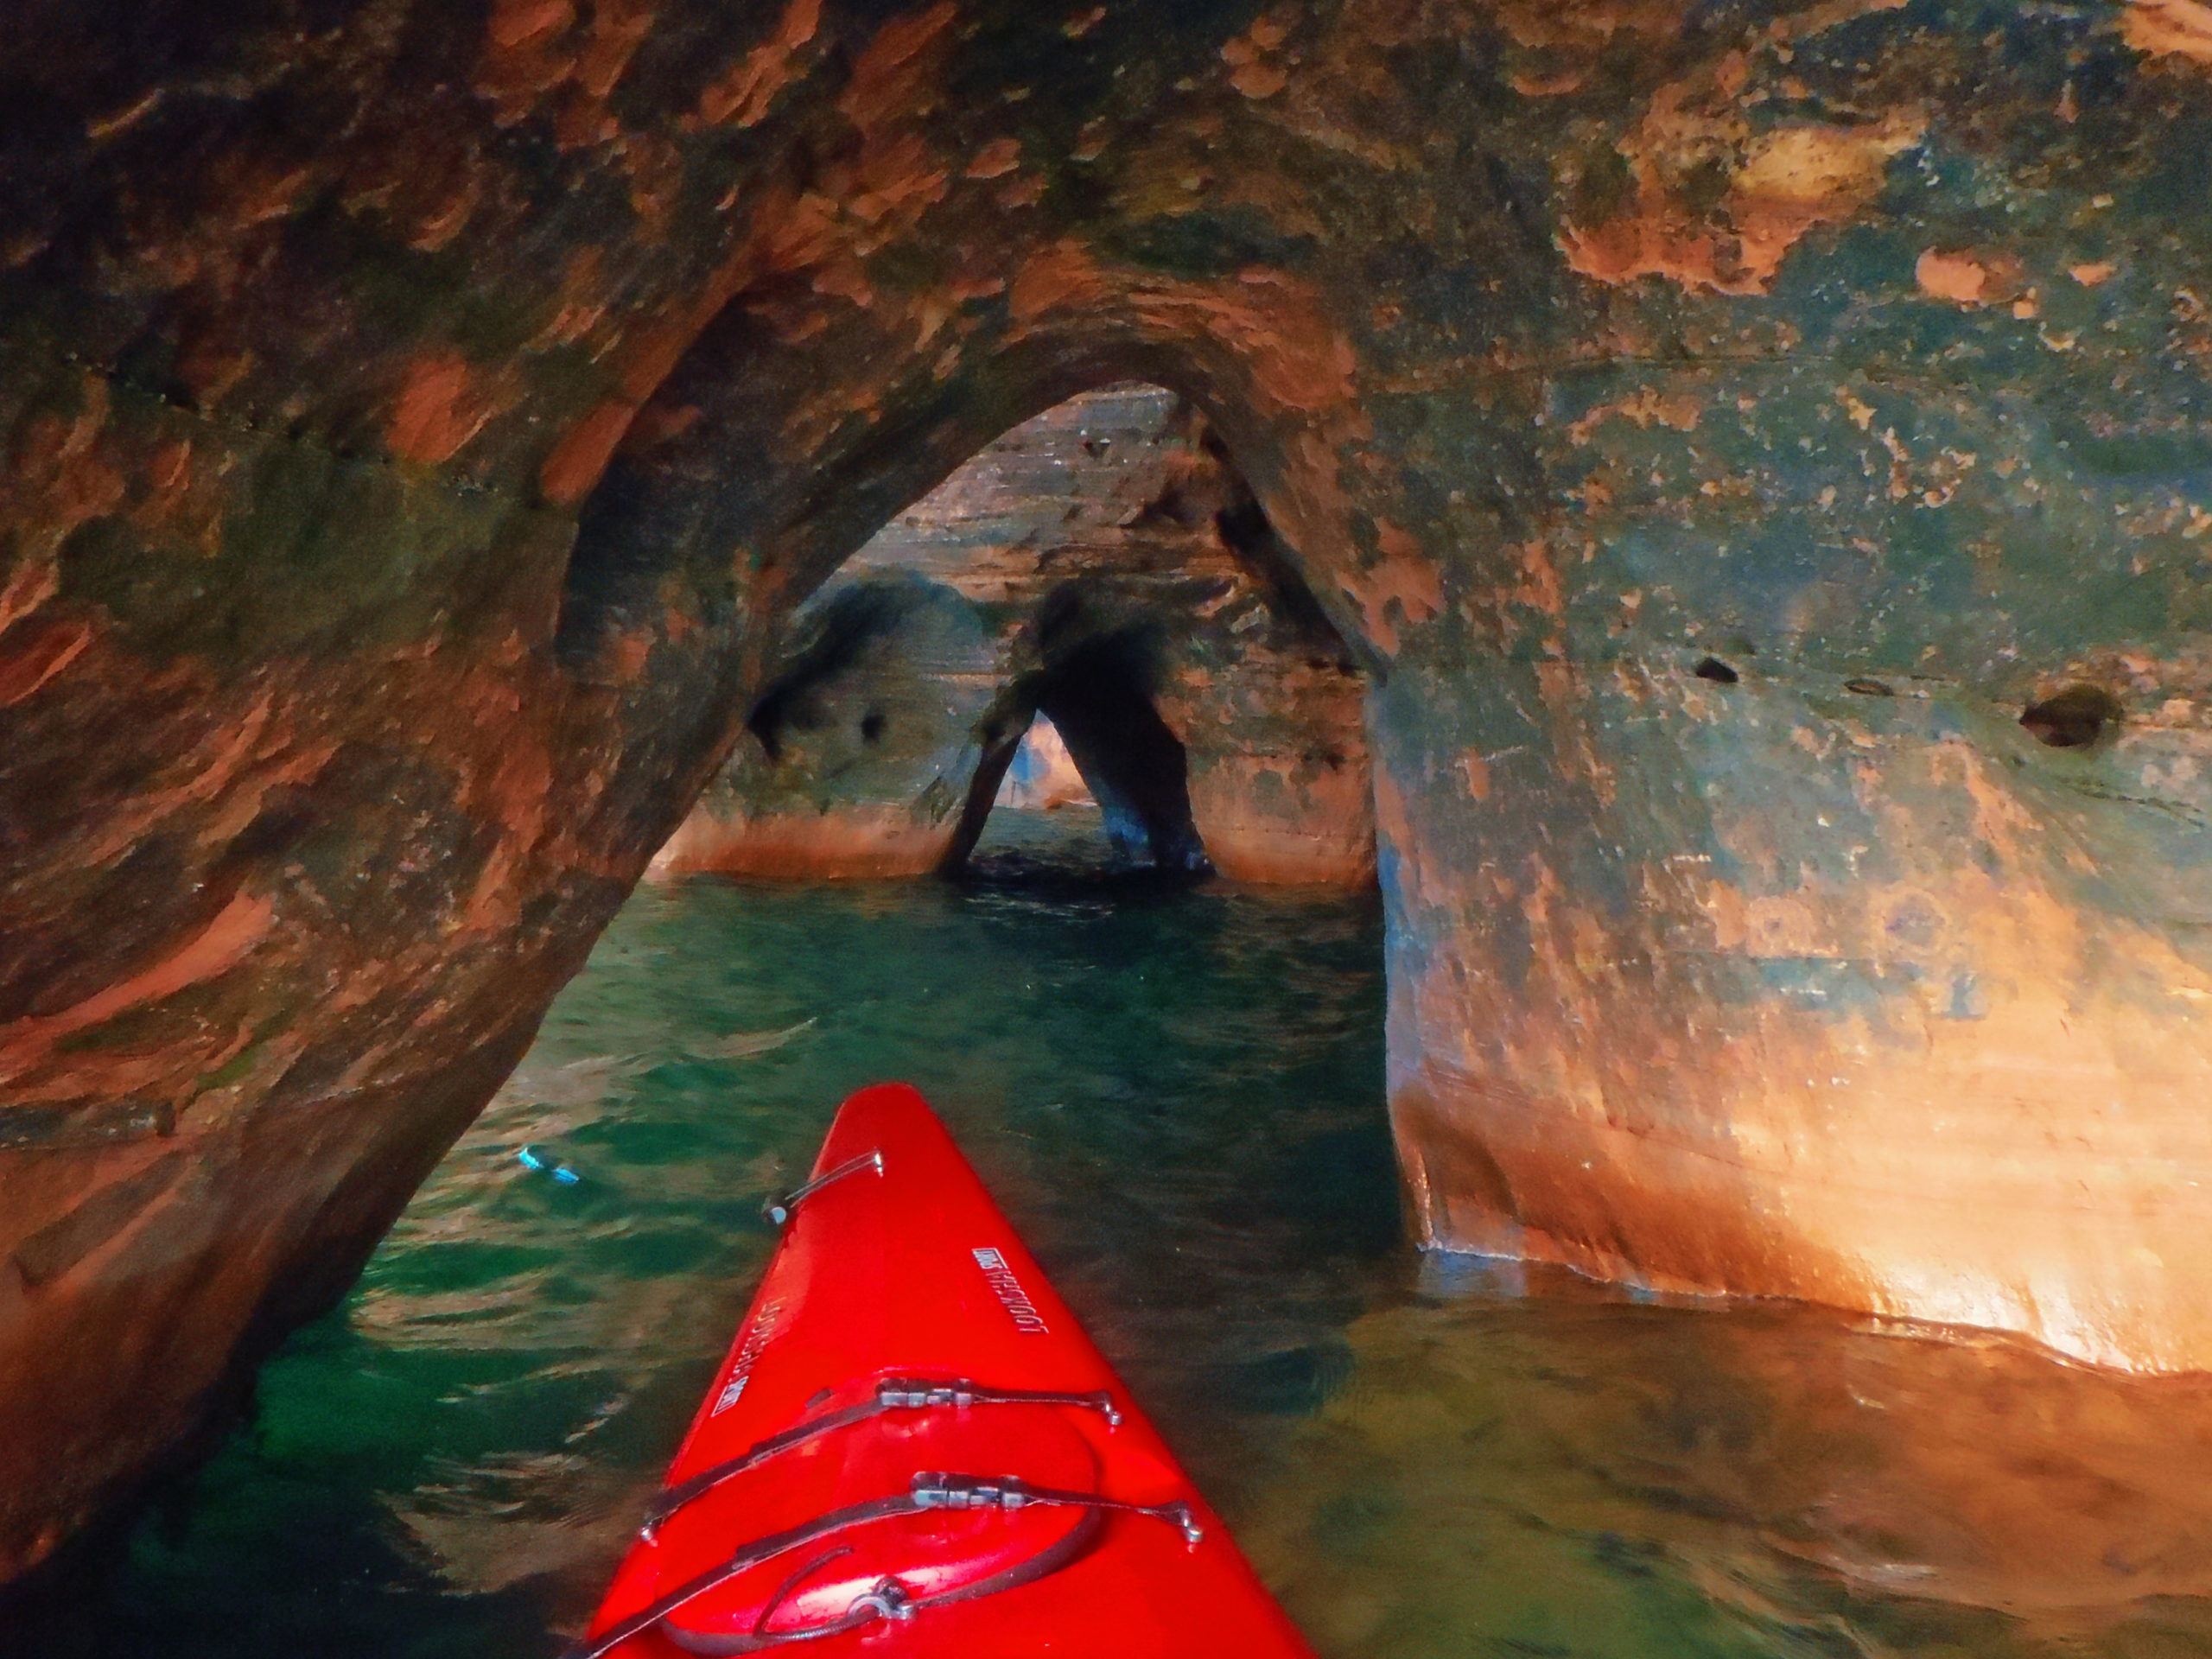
x=1043 y=776
x=1710 y=429
x=1102 y=564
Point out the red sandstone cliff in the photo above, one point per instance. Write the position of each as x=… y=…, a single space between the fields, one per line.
x=1709 y=433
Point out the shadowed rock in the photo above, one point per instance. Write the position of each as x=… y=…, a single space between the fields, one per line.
x=1102 y=563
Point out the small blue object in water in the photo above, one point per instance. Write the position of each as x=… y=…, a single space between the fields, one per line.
x=529 y=1159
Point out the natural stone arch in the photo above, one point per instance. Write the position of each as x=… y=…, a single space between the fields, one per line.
x=703 y=532
x=373 y=671
x=1103 y=564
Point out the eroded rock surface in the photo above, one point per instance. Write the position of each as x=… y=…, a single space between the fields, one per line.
x=1096 y=562
x=1711 y=428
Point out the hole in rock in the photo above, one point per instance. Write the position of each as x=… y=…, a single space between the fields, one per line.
x=1101 y=573
x=2074 y=718
x=1712 y=667
x=1043 y=776
x=1044 y=811
x=1093 y=701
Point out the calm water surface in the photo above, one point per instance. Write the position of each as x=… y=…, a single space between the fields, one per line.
x=1178 y=1097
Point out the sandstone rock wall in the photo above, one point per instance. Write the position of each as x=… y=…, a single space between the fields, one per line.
x=1711 y=428
x=1089 y=550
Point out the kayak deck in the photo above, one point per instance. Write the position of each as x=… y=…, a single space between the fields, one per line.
x=911 y=1449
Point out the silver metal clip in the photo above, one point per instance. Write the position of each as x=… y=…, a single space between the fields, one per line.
x=780 y=1210
x=934 y=1490
x=888 y=1599
x=919 y=1394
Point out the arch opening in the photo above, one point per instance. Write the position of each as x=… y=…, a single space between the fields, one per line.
x=1102 y=564
x=1136 y=767
x=1091 y=715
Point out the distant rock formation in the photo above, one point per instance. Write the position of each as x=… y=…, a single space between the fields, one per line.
x=1101 y=565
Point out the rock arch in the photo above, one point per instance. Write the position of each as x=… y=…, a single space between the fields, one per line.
x=1105 y=564
x=412 y=416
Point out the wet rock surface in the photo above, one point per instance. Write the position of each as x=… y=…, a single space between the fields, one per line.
x=1102 y=564
x=420 y=426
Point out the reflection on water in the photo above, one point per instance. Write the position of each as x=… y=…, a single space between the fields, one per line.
x=1571 y=1473
x=1177 y=1096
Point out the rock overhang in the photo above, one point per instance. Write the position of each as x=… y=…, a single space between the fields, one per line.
x=417 y=420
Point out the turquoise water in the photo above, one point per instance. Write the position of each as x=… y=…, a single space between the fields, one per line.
x=1177 y=1095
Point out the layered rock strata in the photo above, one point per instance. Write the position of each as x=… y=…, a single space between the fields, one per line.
x=1711 y=430
x=1083 y=564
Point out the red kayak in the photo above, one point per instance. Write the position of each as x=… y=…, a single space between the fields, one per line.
x=912 y=1450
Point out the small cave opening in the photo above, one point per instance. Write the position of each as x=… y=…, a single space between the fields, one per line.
x=1043 y=776
x=1093 y=752
x=1136 y=767
x=2079 y=716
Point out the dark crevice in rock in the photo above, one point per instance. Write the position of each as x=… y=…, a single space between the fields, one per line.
x=2075 y=718
x=1247 y=531
x=1135 y=766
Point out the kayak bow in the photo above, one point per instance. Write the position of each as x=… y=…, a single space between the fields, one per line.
x=911 y=1445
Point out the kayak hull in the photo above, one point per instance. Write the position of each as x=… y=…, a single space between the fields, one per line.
x=913 y=1500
